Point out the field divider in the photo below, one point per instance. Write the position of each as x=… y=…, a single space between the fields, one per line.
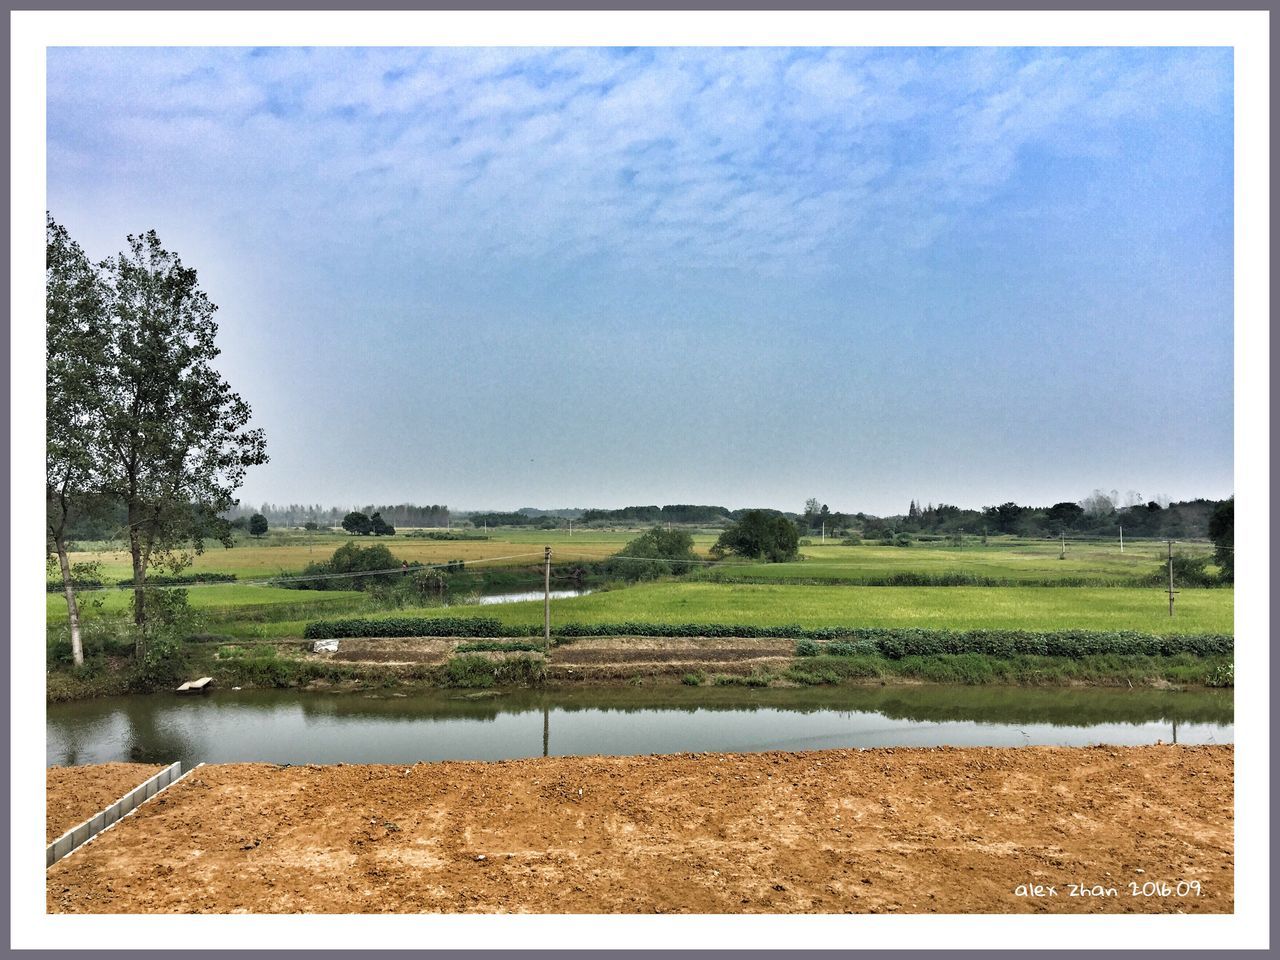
x=105 y=819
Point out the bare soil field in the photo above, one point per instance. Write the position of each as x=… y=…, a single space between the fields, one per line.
x=589 y=658
x=74 y=794
x=887 y=830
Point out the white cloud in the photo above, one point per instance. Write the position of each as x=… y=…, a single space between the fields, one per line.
x=696 y=157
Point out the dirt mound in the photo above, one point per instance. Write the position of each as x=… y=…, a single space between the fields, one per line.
x=893 y=830
x=74 y=794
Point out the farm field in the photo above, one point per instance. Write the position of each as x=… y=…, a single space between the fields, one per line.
x=1007 y=559
x=291 y=551
x=214 y=599
x=958 y=608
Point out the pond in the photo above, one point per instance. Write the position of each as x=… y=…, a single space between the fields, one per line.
x=289 y=726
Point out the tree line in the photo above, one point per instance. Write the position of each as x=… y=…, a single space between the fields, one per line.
x=142 y=431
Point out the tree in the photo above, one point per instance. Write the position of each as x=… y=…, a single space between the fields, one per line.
x=257 y=525
x=1222 y=531
x=177 y=436
x=379 y=527
x=655 y=553
x=75 y=334
x=357 y=523
x=1006 y=517
x=1064 y=516
x=760 y=535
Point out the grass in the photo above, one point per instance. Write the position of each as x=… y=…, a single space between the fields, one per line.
x=944 y=608
x=215 y=599
x=1030 y=561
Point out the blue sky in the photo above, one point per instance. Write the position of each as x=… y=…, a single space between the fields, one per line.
x=592 y=277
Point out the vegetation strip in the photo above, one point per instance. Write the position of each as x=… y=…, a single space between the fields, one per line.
x=892 y=643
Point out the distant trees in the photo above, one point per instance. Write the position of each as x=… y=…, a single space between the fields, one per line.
x=357 y=523
x=671 y=513
x=1006 y=517
x=257 y=525
x=760 y=535
x=1222 y=531
x=655 y=553
x=363 y=525
x=1064 y=516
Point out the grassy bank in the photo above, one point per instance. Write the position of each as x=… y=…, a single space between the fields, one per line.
x=477 y=665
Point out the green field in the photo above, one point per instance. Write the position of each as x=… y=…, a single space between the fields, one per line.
x=1001 y=559
x=213 y=600
x=822 y=591
x=956 y=608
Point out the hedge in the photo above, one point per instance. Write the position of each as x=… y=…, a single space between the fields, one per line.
x=155 y=580
x=897 y=644
x=894 y=643
x=407 y=627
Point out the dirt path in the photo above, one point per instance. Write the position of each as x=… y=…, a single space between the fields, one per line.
x=74 y=794
x=944 y=830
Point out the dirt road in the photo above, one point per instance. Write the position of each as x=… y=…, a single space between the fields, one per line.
x=903 y=830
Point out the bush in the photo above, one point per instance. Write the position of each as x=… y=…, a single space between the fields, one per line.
x=694 y=679
x=406 y=627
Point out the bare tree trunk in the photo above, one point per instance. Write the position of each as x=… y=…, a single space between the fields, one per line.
x=73 y=608
x=139 y=584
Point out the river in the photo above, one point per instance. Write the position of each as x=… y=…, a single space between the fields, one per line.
x=289 y=726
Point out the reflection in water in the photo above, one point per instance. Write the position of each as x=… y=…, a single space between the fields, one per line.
x=297 y=727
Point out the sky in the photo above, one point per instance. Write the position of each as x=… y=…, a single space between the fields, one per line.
x=497 y=278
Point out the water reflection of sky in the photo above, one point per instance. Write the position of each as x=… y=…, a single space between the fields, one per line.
x=228 y=727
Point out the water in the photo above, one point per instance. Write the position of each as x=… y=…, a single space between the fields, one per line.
x=518 y=597
x=291 y=726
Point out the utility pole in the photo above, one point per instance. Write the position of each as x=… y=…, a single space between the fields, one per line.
x=546 y=599
x=824 y=531
x=1063 y=554
x=1171 y=591
x=571 y=527
x=1122 y=538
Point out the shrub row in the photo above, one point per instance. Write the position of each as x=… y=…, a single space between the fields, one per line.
x=181 y=579
x=408 y=627
x=154 y=580
x=55 y=586
x=897 y=644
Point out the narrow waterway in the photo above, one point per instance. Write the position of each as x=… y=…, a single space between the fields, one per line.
x=300 y=727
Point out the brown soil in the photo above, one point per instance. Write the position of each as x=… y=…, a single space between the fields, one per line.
x=74 y=794
x=905 y=830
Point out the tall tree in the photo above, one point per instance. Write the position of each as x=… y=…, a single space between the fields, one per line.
x=178 y=437
x=1222 y=531
x=75 y=329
